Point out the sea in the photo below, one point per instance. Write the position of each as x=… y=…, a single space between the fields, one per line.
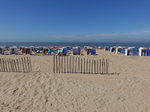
x=134 y=44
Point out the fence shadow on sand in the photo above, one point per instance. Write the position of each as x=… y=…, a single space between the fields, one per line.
x=71 y=64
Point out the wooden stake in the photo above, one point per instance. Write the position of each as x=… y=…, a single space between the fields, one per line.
x=12 y=65
x=26 y=64
x=19 y=64
x=86 y=65
x=107 y=65
x=65 y=64
x=23 y=62
x=25 y=67
x=5 y=63
x=94 y=66
x=1 y=66
x=75 y=69
x=30 y=65
x=89 y=66
x=56 y=64
x=61 y=64
x=18 y=67
x=72 y=64
x=81 y=65
x=78 y=65
x=103 y=66
x=53 y=63
x=97 y=66
x=100 y=71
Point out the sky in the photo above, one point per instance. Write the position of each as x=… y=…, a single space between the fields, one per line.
x=75 y=20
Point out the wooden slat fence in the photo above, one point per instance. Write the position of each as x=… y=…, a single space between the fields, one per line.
x=15 y=65
x=71 y=64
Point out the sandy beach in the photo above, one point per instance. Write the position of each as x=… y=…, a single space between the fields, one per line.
x=44 y=91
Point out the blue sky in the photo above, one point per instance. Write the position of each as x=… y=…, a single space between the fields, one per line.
x=75 y=20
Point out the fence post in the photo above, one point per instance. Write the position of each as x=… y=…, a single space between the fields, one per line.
x=89 y=66
x=18 y=65
x=86 y=65
x=100 y=71
x=2 y=69
x=103 y=66
x=23 y=66
x=64 y=64
x=0 y=65
x=26 y=63
x=73 y=64
x=3 y=65
x=56 y=64
x=94 y=66
x=61 y=64
x=97 y=67
x=53 y=63
x=13 y=65
x=78 y=65
x=30 y=64
x=81 y=65
x=70 y=64
x=67 y=64
x=107 y=64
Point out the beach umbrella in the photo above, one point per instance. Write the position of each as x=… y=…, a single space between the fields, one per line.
x=56 y=49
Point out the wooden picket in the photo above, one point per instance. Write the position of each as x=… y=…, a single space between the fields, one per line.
x=71 y=64
x=15 y=65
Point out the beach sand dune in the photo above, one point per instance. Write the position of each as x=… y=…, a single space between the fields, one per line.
x=43 y=91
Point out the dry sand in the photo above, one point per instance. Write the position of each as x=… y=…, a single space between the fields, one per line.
x=43 y=91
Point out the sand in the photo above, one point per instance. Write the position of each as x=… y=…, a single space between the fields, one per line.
x=44 y=91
